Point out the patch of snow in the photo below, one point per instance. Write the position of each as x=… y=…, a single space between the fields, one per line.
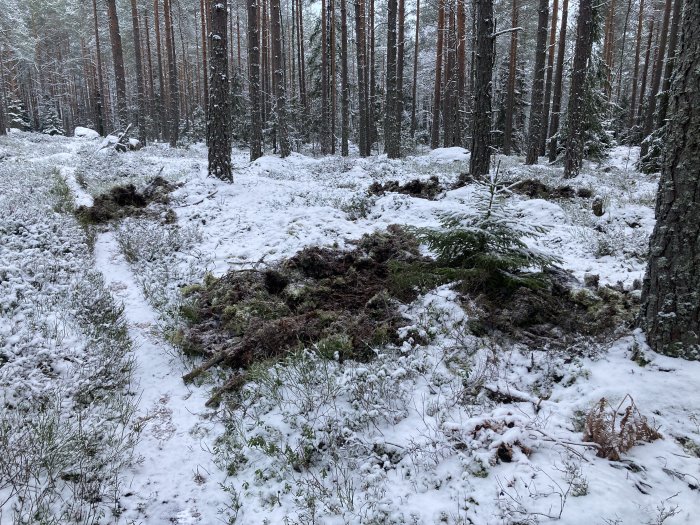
x=86 y=133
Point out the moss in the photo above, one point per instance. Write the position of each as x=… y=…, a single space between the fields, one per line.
x=334 y=346
x=191 y=289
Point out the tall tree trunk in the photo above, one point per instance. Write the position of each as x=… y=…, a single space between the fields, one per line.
x=645 y=71
x=151 y=92
x=550 y=73
x=302 y=56
x=400 y=48
x=162 y=107
x=254 y=80
x=362 y=77
x=635 y=74
x=576 y=113
x=414 y=89
x=536 y=106
x=437 y=91
x=278 y=66
x=344 y=82
x=218 y=129
x=3 y=97
x=99 y=88
x=118 y=59
x=141 y=118
x=174 y=113
x=483 y=71
x=608 y=46
x=372 y=78
x=448 y=81
x=510 y=94
x=205 y=62
x=670 y=63
x=332 y=72
x=671 y=293
x=558 y=84
x=391 y=144
x=460 y=113
x=325 y=128
x=622 y=52
x=656 y=78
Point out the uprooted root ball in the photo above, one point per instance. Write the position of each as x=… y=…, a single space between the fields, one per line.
x=428 y=189
x=123 y=201
x=339 y=302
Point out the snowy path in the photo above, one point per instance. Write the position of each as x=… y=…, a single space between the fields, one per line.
x=164 y=489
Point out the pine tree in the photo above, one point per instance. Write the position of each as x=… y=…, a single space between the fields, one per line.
x=575 y=141
x=51 y=123
x=670 y=310
x=483 y=67
x=18 y=116
x=536 y=106
x=218 y=128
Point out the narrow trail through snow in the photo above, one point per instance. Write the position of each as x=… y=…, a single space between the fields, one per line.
x=161 y=488
x=165 y=488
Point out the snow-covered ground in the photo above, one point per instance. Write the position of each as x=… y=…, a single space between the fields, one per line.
x=410 y=438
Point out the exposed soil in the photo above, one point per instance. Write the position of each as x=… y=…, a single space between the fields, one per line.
x=345 y=304
x=536 y=189
x=556 y=314
x=126 y=200
x=339 y=302
x=423 y=189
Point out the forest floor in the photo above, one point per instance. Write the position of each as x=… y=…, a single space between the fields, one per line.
x=453 y=425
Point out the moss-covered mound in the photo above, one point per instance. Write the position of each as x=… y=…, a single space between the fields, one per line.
x=343 y=303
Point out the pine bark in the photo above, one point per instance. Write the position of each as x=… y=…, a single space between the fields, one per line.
x=325 y=128
x=510 y=94
x=575 y=114
x=218 y=128
x=302 y=56
x=141 y=93
x=550 y=74
x=151 y=92
x=537 y=102
x=344 y=81
x=460 y=110
x=400 y=48
x=608 y=46
x=174 y=109
x=671 y=293
x=254 y=80
x=205 y=61
x=645 y=72
x=558 y=85
x=670 y=63
x=392 y=144
x=635 y=74
x=162 y=107
x=437 y=90
x=414 y=89
x=278 y=78
x=99 y=91
x=656 y=78
x=483 y=71
x=118 y=60
x=362 y=78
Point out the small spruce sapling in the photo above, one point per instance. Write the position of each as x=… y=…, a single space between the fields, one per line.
x=485 y=248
